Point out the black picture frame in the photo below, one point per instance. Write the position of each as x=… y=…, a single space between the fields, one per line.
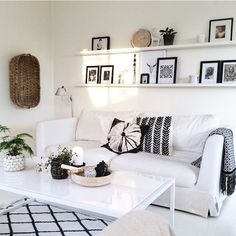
x=210 y=72
x=169 y=69
x=101 y=43
x=106 y=74
x=92 y=75
x=220 y=30
x=144 y=78
x=228 y=71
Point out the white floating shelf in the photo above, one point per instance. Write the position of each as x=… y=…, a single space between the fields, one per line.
x=172 y=47
x=183 y=85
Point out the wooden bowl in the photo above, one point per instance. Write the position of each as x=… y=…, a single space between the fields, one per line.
x=91 y=181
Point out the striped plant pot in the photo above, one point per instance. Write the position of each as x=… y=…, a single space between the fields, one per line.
x=14 y=163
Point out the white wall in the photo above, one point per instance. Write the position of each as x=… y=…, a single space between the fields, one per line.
x=26 y=28
x=75 y=23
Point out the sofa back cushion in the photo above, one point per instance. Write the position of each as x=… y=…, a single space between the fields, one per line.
x=190 y=132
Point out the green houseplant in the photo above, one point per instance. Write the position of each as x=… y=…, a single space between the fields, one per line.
x=63 y=156
x=168 y=35
x=14 y=147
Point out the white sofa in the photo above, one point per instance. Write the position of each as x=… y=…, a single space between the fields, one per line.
x=197 y=190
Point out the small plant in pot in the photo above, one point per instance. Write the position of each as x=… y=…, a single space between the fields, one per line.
x=64 y=156
x=14 y=148
x=168 y=35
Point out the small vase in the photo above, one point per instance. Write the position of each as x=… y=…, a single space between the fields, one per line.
x=14 y=163
x=57 y=172
x=168 y=39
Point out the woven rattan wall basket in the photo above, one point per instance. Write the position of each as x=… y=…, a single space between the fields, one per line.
x=25 y=81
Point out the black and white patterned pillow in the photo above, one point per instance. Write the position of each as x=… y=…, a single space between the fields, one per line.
x=124 y=137
x=158 y=138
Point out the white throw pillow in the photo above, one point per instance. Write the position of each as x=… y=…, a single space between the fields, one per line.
x=190 y=132
x=95 y=125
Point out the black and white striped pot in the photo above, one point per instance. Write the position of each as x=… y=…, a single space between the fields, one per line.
x=14 y=163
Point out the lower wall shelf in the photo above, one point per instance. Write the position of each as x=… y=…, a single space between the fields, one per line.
x=183 y=85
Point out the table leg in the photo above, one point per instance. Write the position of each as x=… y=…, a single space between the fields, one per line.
x=172 y=205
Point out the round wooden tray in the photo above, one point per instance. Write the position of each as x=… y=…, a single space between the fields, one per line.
x=141 y=38
x=92 y=181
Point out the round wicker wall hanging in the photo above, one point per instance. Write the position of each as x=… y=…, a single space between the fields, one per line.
x=25 y=81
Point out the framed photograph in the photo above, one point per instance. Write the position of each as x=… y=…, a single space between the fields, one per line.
x=220 y=30
x=101 y=43
x=228 y=71
x=166 y=70
x=144 y=78
x=209 y=72
x=92 y=74
x=106 y=74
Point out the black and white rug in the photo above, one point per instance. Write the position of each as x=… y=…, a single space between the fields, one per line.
x=40 y=219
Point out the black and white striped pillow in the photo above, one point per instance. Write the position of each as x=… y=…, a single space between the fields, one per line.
x=158 y=138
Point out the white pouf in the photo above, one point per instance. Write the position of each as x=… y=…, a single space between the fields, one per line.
x=14 y=163
x=139 y=223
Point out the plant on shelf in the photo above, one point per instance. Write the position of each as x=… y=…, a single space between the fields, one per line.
x=168 y=35
x=14 y=148
x=63 y=156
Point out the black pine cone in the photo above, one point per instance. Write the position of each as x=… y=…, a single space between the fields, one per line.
x=102 y=169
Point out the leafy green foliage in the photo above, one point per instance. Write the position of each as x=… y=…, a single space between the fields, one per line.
x=64 y=156
x=15 y=145
x=168 y=31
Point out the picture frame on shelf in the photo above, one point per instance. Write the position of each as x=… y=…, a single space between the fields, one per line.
x=228 y=71
x=101 y=43
x=220 y=30
x=106 y=74
x=166 y=70
x=209 y=72
x=92 y=74
x=144 y=78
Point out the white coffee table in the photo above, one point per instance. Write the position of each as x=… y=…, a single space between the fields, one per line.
x=128 y=191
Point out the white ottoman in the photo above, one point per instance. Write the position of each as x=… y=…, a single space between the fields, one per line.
x=139 y=223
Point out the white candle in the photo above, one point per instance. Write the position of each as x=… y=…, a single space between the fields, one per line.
x=78 y=157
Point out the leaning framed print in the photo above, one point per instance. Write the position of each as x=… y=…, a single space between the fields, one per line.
x=220 y=30
x=106 y=74
x=92 y=74
x=209 y=72
x=144 y=78
x=166 y=70
x=228 y=71
x=101 y=43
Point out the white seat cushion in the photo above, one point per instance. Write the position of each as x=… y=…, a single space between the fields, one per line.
x=184 y=173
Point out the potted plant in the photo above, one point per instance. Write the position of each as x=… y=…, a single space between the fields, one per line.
x=14 y=147
x=64 y=156
x=168 y=36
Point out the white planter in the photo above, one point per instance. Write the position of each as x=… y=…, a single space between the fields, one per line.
x=14 y=163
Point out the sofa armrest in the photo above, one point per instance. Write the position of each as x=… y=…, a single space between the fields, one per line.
x=210 y=171
x=54 y=132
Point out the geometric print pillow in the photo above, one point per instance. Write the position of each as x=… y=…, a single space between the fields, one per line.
x=158 y=138
x=123 y=137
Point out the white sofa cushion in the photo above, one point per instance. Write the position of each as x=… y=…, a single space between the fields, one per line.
x=184 y=173
x=95 y=125
x=190 y=132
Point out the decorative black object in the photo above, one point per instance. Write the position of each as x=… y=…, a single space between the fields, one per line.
x=209 y=72
x=134 y=68
x=166 y=70
x=220 y=30
x=101 y=43
x=102 y=169
x=56 y=170
x=78 y=165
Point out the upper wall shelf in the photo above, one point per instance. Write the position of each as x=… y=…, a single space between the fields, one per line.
x=172 y=47
x=179 y=85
